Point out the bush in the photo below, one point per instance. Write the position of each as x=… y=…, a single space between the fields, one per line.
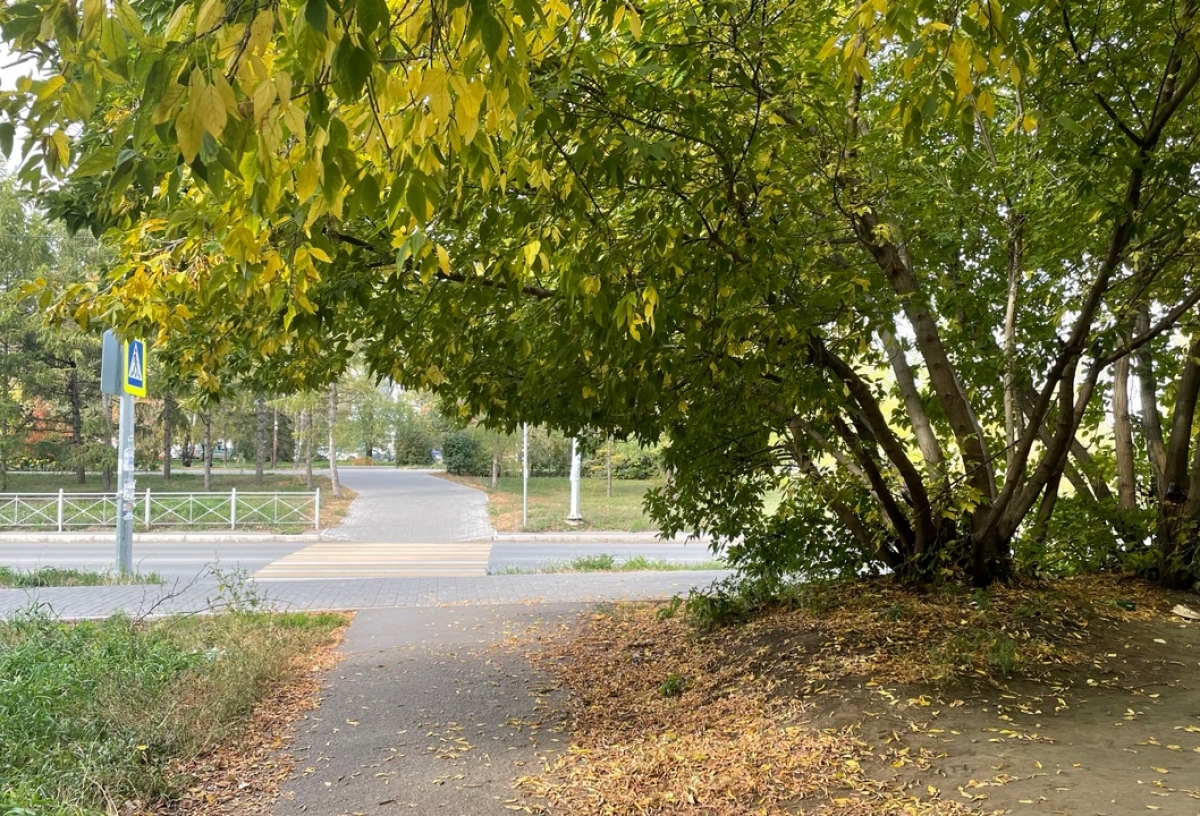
x=629 y=461
x=415 y=442
x=463 y=455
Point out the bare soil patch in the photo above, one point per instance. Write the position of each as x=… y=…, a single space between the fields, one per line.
x=1073 y=697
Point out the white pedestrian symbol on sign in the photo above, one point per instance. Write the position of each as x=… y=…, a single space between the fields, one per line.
x=135 y=365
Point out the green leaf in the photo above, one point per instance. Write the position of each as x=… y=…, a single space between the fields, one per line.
x=7 y=131
x=352 y=68
x=372 y=14
x=316 y=12
x=96 y=162
x=493 y=34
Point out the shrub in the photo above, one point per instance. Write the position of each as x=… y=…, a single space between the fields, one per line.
x=463 y=455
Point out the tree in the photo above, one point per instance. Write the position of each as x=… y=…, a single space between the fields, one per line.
x=877 y=256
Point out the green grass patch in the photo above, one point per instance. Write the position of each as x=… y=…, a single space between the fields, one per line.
x=550 y=502
x=183 y=480
x=70 y=577
x=94 y=715
x=606 y=562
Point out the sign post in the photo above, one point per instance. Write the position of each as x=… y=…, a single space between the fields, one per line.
x=131 y=382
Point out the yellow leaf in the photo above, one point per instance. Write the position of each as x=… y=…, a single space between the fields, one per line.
x=531 y=252
x=260 y=31
x=189 y=131
x=211 y=12
x=443 y=259
x=93 y=13
x=168 y=104
x=306 y=179
x=264 y=98
x=432 y=82
x=210 y=109
x=293 y=117
x=635 y=22
x=178 y=23
x=62 y=148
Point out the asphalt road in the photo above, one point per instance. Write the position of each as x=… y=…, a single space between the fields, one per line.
x=185 y=560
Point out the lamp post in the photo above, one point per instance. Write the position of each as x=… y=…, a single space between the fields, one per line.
x=576 y=465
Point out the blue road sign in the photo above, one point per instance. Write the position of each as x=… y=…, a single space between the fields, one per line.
x=135 y=368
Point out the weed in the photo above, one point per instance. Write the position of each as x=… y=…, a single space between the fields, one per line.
x=601 y=562
x=237 y=591
x=977 y=648
x=66 y=577
x=669 y=609
x=673 y=686
x=94 y=715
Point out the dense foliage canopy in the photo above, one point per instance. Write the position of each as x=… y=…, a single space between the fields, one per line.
x=886 y=258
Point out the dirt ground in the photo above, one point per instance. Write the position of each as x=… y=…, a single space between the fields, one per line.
x=1078 y=698
x=1119 y=735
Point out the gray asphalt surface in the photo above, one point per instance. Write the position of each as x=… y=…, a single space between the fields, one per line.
x=432 y=711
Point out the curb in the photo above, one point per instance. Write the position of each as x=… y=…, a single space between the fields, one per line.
x=600 y=537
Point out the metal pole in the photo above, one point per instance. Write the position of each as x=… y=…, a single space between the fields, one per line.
x=126 y=485
x=317 y=510
x=525 y=476
x=576 y=466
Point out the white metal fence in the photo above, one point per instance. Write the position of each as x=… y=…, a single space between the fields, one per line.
x=230 y=511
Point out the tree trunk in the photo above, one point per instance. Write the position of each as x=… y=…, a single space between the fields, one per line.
x=206 y=418
x=75 y=400
x=275 y=439
x=608 y=468
x=335 y=482
x=496 y=463
x=918 y=417
x=1151 y=424
x=168 y=421
x=1180 y=507
x=1123 y=437
x=260 y=438
x=1012 y=413
x=307 y=424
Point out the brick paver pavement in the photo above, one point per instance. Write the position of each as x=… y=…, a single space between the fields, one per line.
x=410 y=506
x=362 y=593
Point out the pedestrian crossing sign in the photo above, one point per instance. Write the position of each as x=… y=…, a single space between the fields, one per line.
x=135 y=368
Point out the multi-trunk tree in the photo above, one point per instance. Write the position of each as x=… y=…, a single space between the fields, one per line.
x=883 y=256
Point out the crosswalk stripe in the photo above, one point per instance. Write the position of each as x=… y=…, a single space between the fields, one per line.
x=344 y=559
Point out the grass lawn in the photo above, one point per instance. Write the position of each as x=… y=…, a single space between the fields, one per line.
x=111 y=716
x=550 y=501
x=183 y=480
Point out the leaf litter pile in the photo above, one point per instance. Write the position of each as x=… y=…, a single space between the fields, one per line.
x=1077 y=696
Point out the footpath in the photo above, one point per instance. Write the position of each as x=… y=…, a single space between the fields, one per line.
x=433 y=710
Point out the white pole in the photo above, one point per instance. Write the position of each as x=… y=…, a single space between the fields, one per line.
x=525 y=476
x=147 y=508
x=60 y=510
x=233 y=508
x=576 y=466
x=317 y=510
x=125 y=486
